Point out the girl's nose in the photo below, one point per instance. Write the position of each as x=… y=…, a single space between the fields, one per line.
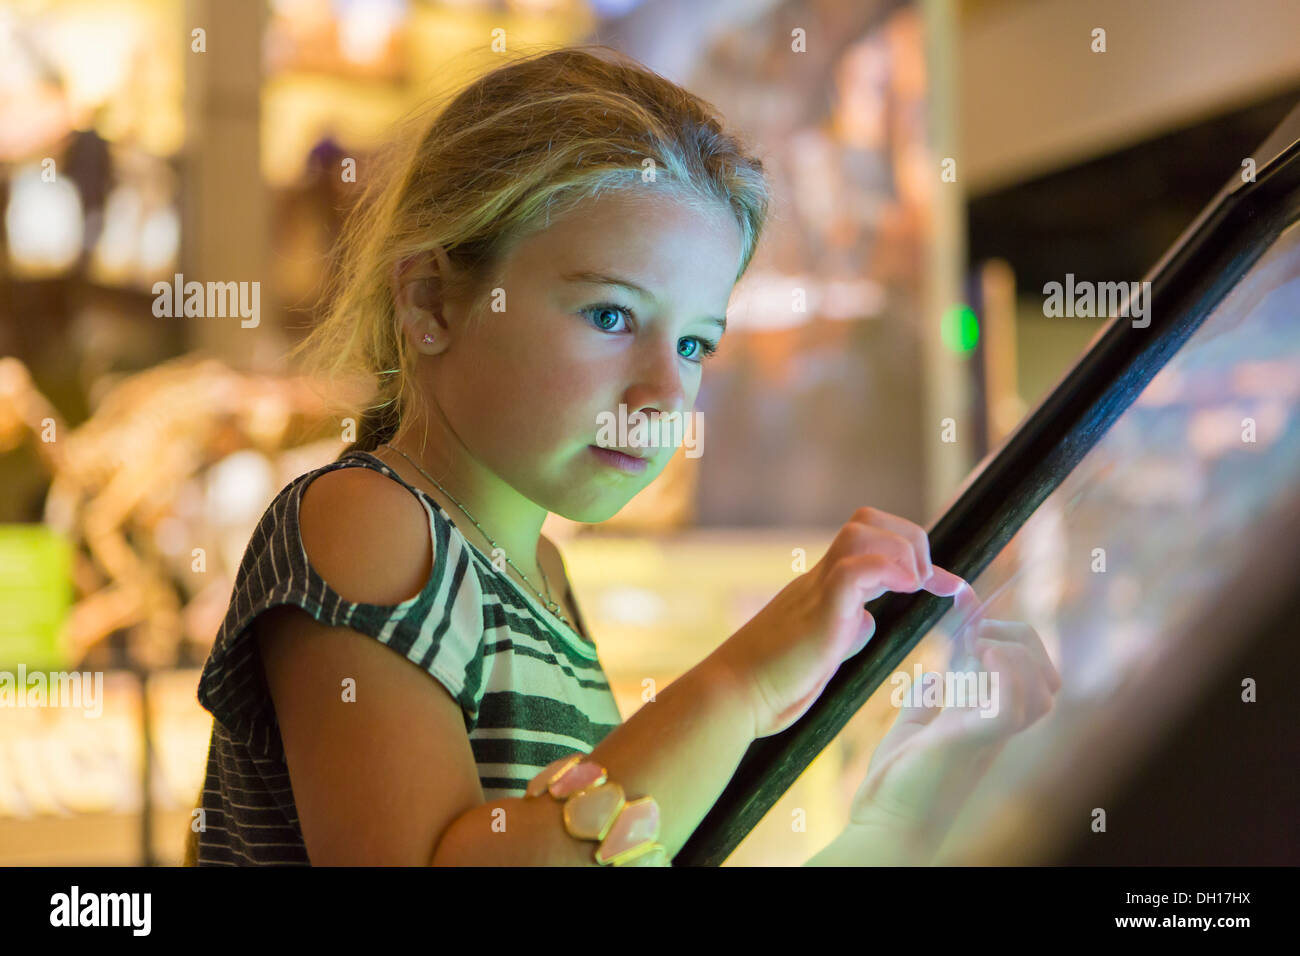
x=658 y=383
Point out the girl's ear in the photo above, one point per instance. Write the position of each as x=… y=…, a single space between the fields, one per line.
x=417 y=288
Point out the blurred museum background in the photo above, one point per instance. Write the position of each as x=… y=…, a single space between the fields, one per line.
x=127 y=440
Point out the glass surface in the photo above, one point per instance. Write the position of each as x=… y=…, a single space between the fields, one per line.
x=1115 y=568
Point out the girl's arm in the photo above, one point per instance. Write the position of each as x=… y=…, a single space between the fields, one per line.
x=390 y=778
x=680 y=748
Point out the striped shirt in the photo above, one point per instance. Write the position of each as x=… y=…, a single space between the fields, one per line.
x=531 y=689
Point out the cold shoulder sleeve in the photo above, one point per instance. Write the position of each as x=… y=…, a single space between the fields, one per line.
x=441 y=629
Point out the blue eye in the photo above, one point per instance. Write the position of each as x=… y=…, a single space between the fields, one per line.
x=599 y=309
x=705 y=349
x=595 y=312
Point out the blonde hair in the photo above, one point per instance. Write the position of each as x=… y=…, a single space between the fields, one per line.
x=519 y=145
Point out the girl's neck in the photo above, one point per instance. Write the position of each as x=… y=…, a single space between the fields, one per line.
x=481 y=493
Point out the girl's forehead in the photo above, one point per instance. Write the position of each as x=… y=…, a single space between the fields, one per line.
x=633 y=231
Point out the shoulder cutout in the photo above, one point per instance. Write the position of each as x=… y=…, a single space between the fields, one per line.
x=366 y=535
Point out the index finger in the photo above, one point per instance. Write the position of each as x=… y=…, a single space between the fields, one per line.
x=913 y=533
x=946 y=584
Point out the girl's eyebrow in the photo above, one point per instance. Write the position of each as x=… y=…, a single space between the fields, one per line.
x=600 y=278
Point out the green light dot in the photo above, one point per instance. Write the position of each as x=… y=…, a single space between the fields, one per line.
x=960 y=329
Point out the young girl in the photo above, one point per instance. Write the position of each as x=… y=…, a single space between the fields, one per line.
x=403 y=675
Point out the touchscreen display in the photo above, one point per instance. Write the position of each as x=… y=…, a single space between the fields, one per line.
x=1143 y=535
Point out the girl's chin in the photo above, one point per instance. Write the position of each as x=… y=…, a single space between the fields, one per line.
x=594 y=508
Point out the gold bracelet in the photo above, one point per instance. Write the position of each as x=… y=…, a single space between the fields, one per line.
x=596 y=808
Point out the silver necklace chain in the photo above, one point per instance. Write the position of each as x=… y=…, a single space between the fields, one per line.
x=547 y=601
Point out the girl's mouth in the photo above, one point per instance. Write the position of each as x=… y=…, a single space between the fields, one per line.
x=616 y=459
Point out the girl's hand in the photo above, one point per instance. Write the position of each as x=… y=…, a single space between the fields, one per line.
x=789 y=651
x=932 y=758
